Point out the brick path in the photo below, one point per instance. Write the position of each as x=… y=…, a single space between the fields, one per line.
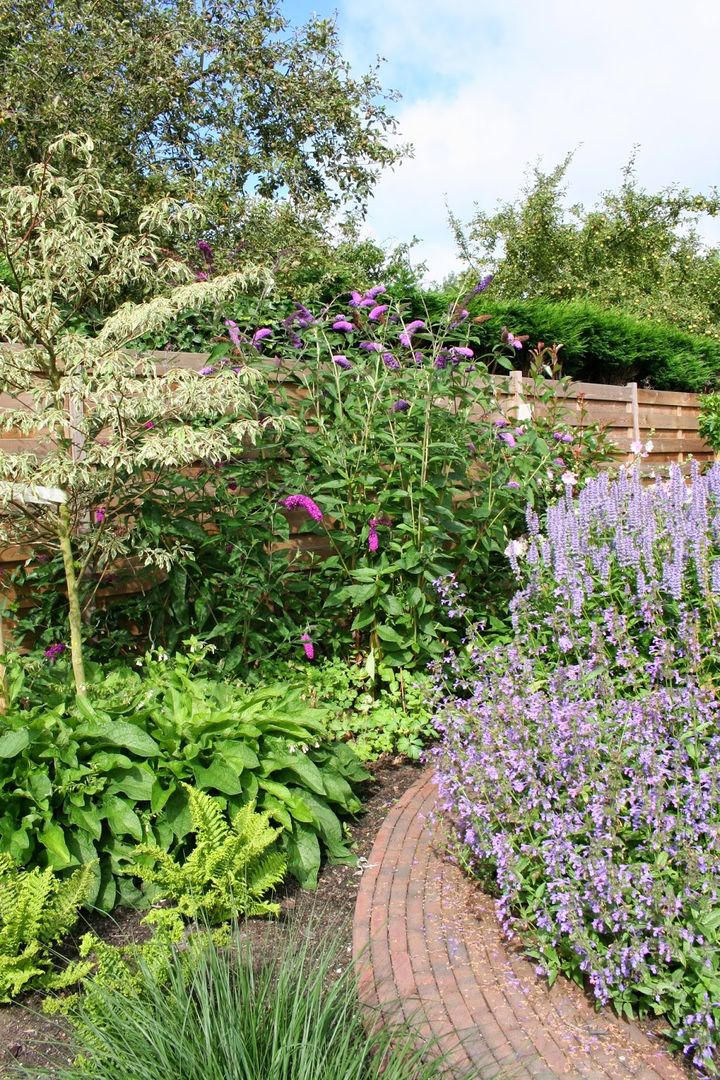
x=429 y=949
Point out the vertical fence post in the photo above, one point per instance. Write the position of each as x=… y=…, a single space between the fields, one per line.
x=635 y=408
x=519 y=406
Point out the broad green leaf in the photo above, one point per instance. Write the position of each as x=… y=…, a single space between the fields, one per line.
x=13 y=742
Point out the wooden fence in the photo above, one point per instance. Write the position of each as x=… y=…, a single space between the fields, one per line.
x=628 y=415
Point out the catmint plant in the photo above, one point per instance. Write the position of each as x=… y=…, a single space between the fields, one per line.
x=579 y=764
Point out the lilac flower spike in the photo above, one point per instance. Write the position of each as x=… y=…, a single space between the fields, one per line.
x=482 y=284
x=461 y=350
x=303 y=502
x=370 y=346
x=375 y=291
x=207 y=370
x=405 y=336
x=401 y=405
x=507 y=437
x=308 y=647
x=377 y=312
x=100 y=515
x=356 y=298
x=342 y=362
x=259 y=335
x=390 y=361
x=344 y=325
x=233 y=332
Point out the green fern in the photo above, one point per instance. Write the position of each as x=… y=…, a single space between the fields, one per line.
x=229 y=870
x=36 y=910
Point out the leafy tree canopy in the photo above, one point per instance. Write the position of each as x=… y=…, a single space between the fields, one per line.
x=638 y=251
x=219 y=101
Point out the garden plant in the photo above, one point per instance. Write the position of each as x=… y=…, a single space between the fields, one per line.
x=579 y=763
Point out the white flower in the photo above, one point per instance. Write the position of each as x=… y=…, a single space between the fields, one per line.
x=569 y=479
x=636 y=446
x=649 y=446
x=517 y=548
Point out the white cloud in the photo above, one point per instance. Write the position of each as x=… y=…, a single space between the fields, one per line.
x=498 y=84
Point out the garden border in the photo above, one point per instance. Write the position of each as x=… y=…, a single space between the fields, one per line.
x=430 y=950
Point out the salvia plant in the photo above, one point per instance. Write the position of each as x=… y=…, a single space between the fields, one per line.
x=108 y=424
x=579 y=764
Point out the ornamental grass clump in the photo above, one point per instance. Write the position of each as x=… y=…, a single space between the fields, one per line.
x=580 y=765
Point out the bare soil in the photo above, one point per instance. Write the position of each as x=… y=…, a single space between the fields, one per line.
x=29 y=1038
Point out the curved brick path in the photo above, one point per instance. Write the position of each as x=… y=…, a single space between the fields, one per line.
x=429 y=949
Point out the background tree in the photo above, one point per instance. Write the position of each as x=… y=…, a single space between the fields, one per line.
x=218 y=101
x=110 y=426
x=637 y=251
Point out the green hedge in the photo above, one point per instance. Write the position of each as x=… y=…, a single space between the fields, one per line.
x=599 y=345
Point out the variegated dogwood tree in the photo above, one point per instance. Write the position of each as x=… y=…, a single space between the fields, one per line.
x=105 y=422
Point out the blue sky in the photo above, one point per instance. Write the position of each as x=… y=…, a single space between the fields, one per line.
x=492 y=86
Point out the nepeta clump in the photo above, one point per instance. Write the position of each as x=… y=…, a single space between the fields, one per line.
x=627 y=571
x=580 y=765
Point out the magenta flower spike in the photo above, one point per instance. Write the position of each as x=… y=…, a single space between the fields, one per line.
x=377 y=312
x=303 y=502
x=100 y=515
x=308 y=647
x=342 y=362
x=343 y=325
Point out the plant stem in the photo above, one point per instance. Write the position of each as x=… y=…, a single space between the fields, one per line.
x=74 y=612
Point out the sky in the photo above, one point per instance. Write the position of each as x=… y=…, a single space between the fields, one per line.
x=491 y=88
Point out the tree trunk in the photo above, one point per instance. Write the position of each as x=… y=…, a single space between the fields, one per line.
x=75 y=614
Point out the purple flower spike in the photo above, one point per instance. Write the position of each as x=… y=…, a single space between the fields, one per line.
x=375 y=291
x=377 y=312
x=390 y=361
x=512 y=484
x=149 y=425
x=308 y=647
x=207 y=370
x=507 y=437
x=202 y=275
x=54 y=651
x=461 y=350
x=356 y=298
x=342 y=362
x=370 y=346
x=401 y=405
x=100 y=515
x=233 y=332
x=440 y=361
x=482 y=284
x=206 y=251
x=303 y=502
x=373 y=539
x=344 y=325
x=419 y=358
x=404 y=339
x=259 y=335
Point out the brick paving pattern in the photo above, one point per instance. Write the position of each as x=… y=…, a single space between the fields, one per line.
x=430 y=950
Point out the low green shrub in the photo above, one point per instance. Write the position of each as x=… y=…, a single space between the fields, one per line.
x=598 y=345
x=214 y=1011
x=36 y=911
x=85 y=781
x=385 y=712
